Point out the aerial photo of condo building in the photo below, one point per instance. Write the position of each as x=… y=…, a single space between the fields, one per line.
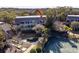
x=44 y=30
x=39 y=30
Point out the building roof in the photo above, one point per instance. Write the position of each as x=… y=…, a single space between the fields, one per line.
x=32 y=16
x=73 y=15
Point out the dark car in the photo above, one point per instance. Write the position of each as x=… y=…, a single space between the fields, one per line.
x=32 y=39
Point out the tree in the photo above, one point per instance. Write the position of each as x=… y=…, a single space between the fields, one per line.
x=2 y=38
x=23 y=13
x=38 y=28
x=51 y=17
x=43 y=31
x=67 y=28
x=36 y=49
x=32 y=51
x=63 y=12
x=2 y=16
x=39 y=50
x=8 y=16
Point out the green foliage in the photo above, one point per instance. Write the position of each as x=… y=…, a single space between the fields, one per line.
x=7 y=16
x=36 y=49
x=67 y=28
x=51 y=12
x=45 y=30
x=2 y=37
x=63 y=12
x=57 y=14
x=51 y=16
x=40 y=29
x=32 y=51
x=49 y=22
x=22 y=13
x=71 y=36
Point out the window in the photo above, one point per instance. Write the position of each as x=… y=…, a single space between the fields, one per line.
x=33 y=21
x=30 y=21
x=31 y=26
x=25 y=26
x=26 y=22
x=22 y=22
x=28 y=25
x=22 y=26
x=38 y=22
x=17 y=24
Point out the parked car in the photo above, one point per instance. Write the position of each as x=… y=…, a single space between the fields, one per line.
x=32 y=39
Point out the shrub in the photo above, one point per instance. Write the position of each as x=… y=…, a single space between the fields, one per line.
x=32 y=51
x=38 y=50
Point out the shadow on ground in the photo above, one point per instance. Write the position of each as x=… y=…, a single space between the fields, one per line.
x=55 y=42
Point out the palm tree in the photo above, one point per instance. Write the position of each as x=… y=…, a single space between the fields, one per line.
x=51 y=18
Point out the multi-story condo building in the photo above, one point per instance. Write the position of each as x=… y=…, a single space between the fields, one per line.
x=71 y=18
x=28 y=22
x=74 y=20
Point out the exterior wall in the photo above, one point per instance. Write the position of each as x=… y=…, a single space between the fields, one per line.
x=28 y=23
x=71 y=18
x=75 y=27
